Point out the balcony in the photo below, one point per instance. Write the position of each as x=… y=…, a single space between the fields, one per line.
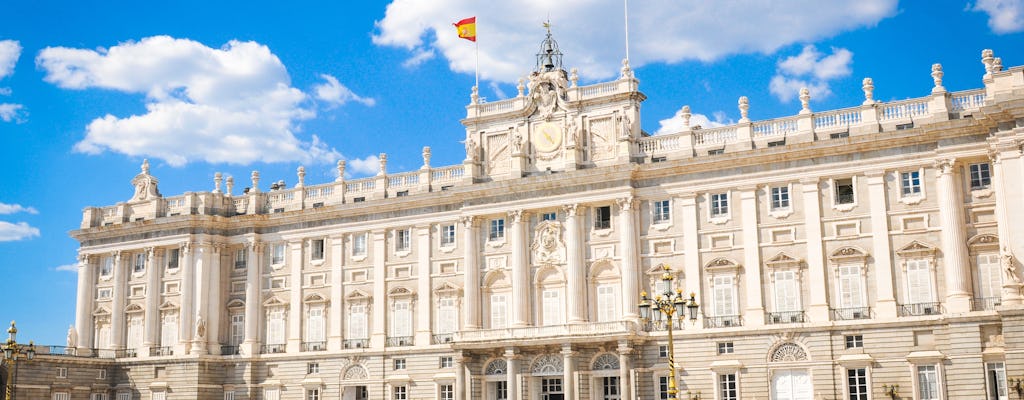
x=230 y=350
x=125 y=353
x=723 y=321
x=786 y=317
x=918 y=309
x=161 y=351
x=272 y=349
x=399 y=341
x=851 y=313
x=355 y=343
x=443 y=338
x=544 y=332
x=985 y=303
x=660 y=325
x=314 y=346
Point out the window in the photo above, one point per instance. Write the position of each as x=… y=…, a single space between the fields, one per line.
x=104 y=293
x=401 y=393
x=607 y=303
x=448 y=235
x=663 y=387
x=445 y=362
x=158 y=396
x=927 y=382
x=501 y=390
x=237 y=329
x=241 y=258
x=719 y=204
x=780 y=197
x=725 y=348
x=446 y=392
x=275 y=327
x=910 y=183
x=401 y=319
x=317 y=249
x=315 y=324
x=359 y=244
x=725 y=296
x=995 y=376
x=447 y=316
x=727 y=387
x=62 y=372
x=228 y=395
x=271 y=394
x=549 y=216
x=313 y=394
x=313 y=368
x=661 y=212
x=919 y=282
x=169 y=329
x=854 y=341
x=981 y=176
x=497 y=231
x=551 y=303
x=101 y=396
x=403 y=239
x=107 y=267
x=357 y=322
x=499 y=311
x=662 y=351
x=102 y=375
x=610 y=388
x=277 y=254
x=851 y=286
x=857 y=383
x=787 y=291
x=61 y=396
x=844 y=191
x=402 y=193
x=134 y=331
x=603 y=217
x=140 y=263
x=172 y=258
x=715 y=152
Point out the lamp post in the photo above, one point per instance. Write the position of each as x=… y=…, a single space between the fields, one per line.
x=670 y=304
x=12 y=352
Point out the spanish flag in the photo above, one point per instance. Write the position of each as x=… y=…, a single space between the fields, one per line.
x=467 y=28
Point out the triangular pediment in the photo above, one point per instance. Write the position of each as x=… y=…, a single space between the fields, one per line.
x=357 y=295
x=722 y=263
x=448 y=288
x=401 y=291
x=314 y=298
x=783 y=259
x=236 y=303
x=915 y=248
x=133 y=308
x=168 y=305
x=274 y=301
x=848 y=252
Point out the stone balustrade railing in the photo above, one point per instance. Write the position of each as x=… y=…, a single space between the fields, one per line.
x=580 y=93
x=553 y=331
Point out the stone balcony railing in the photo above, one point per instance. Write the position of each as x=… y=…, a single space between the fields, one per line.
x=521 y=102
x=545 y=332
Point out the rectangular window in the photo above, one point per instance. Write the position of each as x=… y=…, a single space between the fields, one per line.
x=172 y=258
x=928 y=382
x=62 y=372
x=501 y=390
x=725 y=299
x=610 y=388
x=140 y=263
x=910 y=183
x=403 y=239
x=61 y=396
x=851 y=286
x=446 y=392
x=276 y=327
x=854 y=341
x=549 y=216
x=134 y=331
x=107 y=267
x=990 y=275
x=445 y=362
x=317 y=249
x=919 y=282
x=725 y=348
x=313 y=368
x=661 y=212
x=663 y=387
x=315 y=325
x=662 y=351
x=780 y=197
x=607 y=303
x=102 y=396
x=359 y=244
x=551 y=307
x=603 y=217
x=169 y=330
x=981 y=176
x=277 y=254
x=447 y=316
x=719 y=204
x=237 y=329
x=128 y=396
x=241 y=258
x=104 y=293
x=857 y=383
x=401 y=319
x=995 y=373
x=499 y=311
x=271 y=394
x=229 y=395
x=357 y=322
x=727 y=388
x=844 y=191
x=497 y=231
x=448 y=235
x=102 y=375
x=401 y=393
x=312 y=394
x=787 y=291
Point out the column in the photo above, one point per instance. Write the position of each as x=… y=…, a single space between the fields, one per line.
x=630 y=258
x=202 y=299
x=216 y=303
x=337 y=307
x=568 y=372
x=295 y=296
x=423 y=304
x=576 y=294
x=152 y=316
x=1008 y=183
x=691 y=252
x=253 y=300
x=818 y=310
x=954 y=242
x=520 y=271
x=83 y=311
x=471 y=272
x=754 y=314
x=512 y=375
x=380 y=295
x=626 y=389
x=117 y=308
x=885 y=304
x=460 y=377
x=187 y=298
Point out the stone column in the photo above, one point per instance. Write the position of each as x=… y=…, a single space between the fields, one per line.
x=295 y=301
x=691 y=249
x=954 y=242
x=379 y=311
x=568 y=372
x=117 y=317
x=253 y=300
x=818 y=309
x=460 y=377
x=337 y=306
x=575 y=298
x=630 y=258
x=216 y=303
x=187 y=298
x=1007 y=179
x=520 y=271
x=626 y=390
x=471 y=272
x=423 y=304
x=152 y=316
x=754 y=314
x=202 y=285
x=885 y=303
x=86 y=297
x=512 y=375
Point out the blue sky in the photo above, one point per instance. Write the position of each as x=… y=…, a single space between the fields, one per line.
x=88 y=91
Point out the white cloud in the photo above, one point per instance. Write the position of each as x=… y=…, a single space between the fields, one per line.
x=67 y=268
x=231 y=105
x=812 y=70
x=16 y=208
x=12 y=112
x=675 y=123
x=419 y=56
x=590 y=32
x=362 y=166
x=10 y=232
x=334 y=93
x=496 y=88
x=10 y=50
x=1004 y=16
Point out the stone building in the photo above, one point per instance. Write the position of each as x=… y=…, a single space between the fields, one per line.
x=833 y=255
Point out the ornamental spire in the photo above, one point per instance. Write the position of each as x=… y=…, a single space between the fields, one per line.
x=549 y=58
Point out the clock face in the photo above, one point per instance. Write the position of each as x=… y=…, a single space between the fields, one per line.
x=547 y=138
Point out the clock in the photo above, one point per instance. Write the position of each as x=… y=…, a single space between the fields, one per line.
x=547 y=137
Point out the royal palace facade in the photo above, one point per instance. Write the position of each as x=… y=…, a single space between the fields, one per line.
x=870 y=252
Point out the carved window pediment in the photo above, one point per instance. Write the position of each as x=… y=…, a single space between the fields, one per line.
x=789 y=352
x=983 y=242
x=916 y=249
x=274 y=301
x=497 y=279
x=133 y=308
x=358 y=296
x=784 y=261
x=448 y=289
x=168 y=305
x=355 y=372
x=722 y=264
x=401 y=292
x=850 y=254
x=101 y=311
x=236 y=304
x=547 y=364
x=315 y=298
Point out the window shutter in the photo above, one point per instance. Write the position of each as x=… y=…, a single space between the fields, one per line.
x=919 y=282
x=169 y=330
x=237 y=329
x=447 y=316
x=401 y=320
x=103 y=338
x=606 y=303
x=498 y=311
x=357 y=322
x=275 y=328
x=787 y=294
x=851 y=287
x=552 y=307
x=990 y=277
x=134 y=332
x=315 y=326
x=724 y=302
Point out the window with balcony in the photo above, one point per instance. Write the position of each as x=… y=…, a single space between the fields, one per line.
x=447 y=316
x=237 y=329
x=724 y=304
x=499 y=310
x=315 y=326
x=551 y=303
x=920 y=293
x=607 y=303
x=276 y=326
x=357 y=322
x=401 y=319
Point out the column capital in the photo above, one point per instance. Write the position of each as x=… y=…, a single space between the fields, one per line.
x=624 y=347
x=810 y=181
x=687 y=198
x=625 y=203
x=468 y=221
x=516 y=216
x=873 y=176
x=571 y=210
x=511 y=353
x=567 y=350
x=747 y=188
x=83 y=260
x=945 y=165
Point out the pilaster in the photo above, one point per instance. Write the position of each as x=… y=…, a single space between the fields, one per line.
x=954 y=241
x=520 y=270
x=253 y=300
x=471 y=272
x=379 y=310
x=630 y=258
x=216 y=303
x=117 y=316
x=83 y=312
x=188 y=294
x=574 y=264
x=818 y=309
x=885 y=303
x=423 y=290
x=203 y=293
x=337 y=305
x=152 y=313
x=691 y=250
x=295 y=305
x=754 y=314
x=1008 y=182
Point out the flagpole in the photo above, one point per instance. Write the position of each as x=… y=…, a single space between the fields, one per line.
x=476 y=47
x=625 y=6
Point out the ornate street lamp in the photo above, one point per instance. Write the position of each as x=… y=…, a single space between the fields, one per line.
x=12 y=352
x=669 y=304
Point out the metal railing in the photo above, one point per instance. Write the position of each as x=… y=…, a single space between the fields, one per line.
x=229 y=350
x=399 y=341
x=985 y=303
x=314 y=346
x=355 y=343
x=442 y=338
x=272 y=349
x=916 y=309
x=125 y=353
x=786 y=317
x=723 y=321
x=851 y=313
x=161 y=351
